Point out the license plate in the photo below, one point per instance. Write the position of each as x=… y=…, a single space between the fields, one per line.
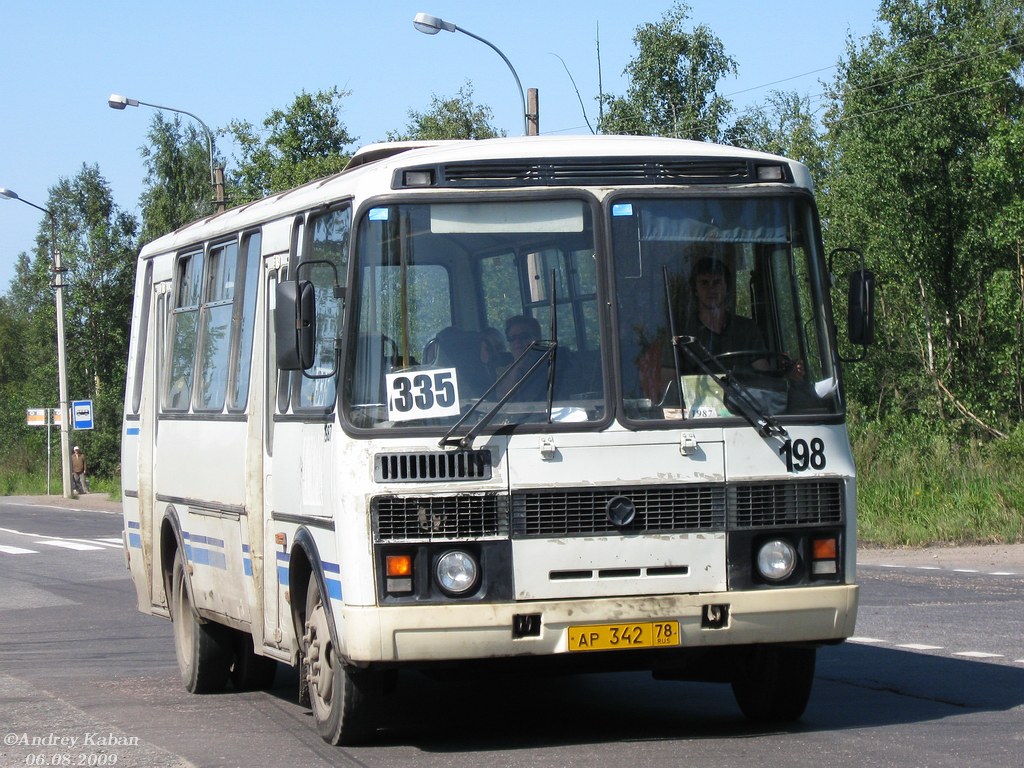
x=615 y=637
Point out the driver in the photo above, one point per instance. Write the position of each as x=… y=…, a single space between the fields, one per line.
x=714 y=326
x=719 y=330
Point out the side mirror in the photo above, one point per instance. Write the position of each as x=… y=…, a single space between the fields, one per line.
x=861 y=307
x=295 y=325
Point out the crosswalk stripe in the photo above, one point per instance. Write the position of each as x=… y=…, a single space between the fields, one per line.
x=69 y=545
x=16 y=550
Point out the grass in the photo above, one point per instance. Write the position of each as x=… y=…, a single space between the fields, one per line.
x=24 y=483
x=916 y=486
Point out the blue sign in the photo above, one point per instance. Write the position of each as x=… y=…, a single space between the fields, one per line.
x=81 y=414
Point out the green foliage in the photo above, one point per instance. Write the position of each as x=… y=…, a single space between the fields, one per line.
x=924 y=117
x=95 y=242
x=455 y=117
x=920 y=482
x=672 y=82
x=305 y=142
x=178 y=185
x=786 y=125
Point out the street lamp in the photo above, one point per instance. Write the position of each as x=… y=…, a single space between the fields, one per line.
x=119 y=102
x=431 y=25
x=62 y=374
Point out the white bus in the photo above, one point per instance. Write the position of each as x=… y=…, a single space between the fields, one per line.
x=333 y=459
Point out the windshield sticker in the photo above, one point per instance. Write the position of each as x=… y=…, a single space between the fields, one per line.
x=622 y=209
x=422 y=394
x=378 y=214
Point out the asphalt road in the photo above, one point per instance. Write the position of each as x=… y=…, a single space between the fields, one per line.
x=934 y=677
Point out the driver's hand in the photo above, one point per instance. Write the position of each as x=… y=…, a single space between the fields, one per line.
x=795 y=369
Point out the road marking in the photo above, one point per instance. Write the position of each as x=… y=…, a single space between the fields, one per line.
x=979 y=655
x=70 y=545
x=899 y=567
x=866 y=640
x=920 y=647
x=17 y=550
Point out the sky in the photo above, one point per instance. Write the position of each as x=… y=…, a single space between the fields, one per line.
x=224 y=60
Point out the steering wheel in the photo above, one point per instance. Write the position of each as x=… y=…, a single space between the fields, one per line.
x=782 y=361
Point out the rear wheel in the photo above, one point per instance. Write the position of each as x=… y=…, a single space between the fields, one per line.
x=203 y=649
x=340 y=696
x=251 y=672
x=773 y=684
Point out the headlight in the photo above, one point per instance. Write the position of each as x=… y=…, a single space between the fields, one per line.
x=776 y=560
x=456 y=572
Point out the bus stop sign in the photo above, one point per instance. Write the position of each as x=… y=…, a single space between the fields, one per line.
x=81 y=411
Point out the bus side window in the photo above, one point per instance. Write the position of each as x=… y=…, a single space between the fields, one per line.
x=184 y=328
x=245 y=319
x=142 y=326
x=215 y=322
x=329 y=241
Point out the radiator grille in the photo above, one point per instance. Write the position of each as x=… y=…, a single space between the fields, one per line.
x=583 y=512
x=465 y=516
x=781 y=504
x=432 y=465
x=658 y=510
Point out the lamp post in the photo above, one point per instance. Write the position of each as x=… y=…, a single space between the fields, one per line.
x=431 y=25
x=116 y=101
x=62 y=374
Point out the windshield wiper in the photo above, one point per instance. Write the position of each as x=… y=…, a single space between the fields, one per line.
x=738 y=397
x=548 y=348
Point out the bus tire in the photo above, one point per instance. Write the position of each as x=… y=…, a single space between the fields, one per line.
x=773 y=684
x=339 y=695
x=251 y=672
x=203 y=649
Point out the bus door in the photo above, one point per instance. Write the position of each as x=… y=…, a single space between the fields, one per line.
x=149 y=520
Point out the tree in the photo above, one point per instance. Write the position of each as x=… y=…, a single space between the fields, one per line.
x=97 y=247
x=672 y=83
x=177 y=188
x=303 y=143
x=785 y=125
x=923 y=114
x=456 y=117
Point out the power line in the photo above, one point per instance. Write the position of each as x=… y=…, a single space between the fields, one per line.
x=847 y=118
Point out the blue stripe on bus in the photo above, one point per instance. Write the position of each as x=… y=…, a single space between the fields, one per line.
x=132 y=431
x=333 y=585
x=282 y=570
x=333 y=589
x=196 y=553
x=134 y=539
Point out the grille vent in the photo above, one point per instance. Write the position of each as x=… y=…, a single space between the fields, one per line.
x=432 y=465
x=426 y=518
x=783 y=504
x=658 y=509
x=617 y=171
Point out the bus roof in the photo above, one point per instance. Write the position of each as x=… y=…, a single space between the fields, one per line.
x=374 y=167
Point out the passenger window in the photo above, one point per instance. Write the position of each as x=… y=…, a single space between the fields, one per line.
x=184 y=326
x=245 y=312
x=329 y=241
x=222 y=271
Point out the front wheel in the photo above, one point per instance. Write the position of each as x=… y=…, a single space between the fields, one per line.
x=773 y=683
x=204 y=649
x=338 y=695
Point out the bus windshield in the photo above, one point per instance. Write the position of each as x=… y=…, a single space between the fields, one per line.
x=713 y=288
x=475 y=310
